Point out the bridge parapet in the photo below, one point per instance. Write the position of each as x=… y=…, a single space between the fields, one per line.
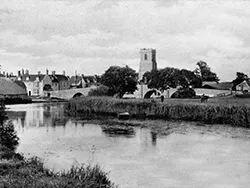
x=69 y=93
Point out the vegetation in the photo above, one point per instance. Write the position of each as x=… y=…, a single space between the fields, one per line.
x=162 y=79
x=240 y=77
x=30 y=173
x=16 y=171
x=119 y=80
x=184 y=93
x=101 y=90
x=16 y=99
x=8 y=136
x=204 y=71
x=188 y=110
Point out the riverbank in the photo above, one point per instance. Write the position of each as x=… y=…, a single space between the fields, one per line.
x=223 y=112
x=16 y=171
x=15 y=100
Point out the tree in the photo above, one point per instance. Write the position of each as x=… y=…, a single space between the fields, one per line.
x=8 y=136
x=240 y=77
x=204 y=71
x=170 y=77
x=119 y=80
x=184 y=93
x=101 y=90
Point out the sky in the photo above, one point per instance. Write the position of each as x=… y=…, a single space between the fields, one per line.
x=89 y=36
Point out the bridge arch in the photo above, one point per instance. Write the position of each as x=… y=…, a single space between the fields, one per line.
x=77 y=95
x=149 y=93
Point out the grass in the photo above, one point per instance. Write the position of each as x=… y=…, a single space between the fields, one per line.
x=235 y=112
x=31 y=173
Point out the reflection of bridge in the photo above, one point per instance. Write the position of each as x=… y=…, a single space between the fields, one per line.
x=70 y=93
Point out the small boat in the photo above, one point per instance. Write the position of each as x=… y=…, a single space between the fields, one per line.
x=123 y=116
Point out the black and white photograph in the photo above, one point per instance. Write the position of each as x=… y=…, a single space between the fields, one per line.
x=124 y=94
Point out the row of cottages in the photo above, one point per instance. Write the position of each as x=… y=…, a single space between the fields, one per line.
x=37 y=84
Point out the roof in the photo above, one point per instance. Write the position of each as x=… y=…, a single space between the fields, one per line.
x=8 y=87
x=20 y=83
x=60 y=77
x=90 y=79
x=54 y=78
x=244 y=83
x=75 y=79
x=32 y=77
x=219 y=86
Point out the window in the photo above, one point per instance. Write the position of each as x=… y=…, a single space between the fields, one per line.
x=145 y=57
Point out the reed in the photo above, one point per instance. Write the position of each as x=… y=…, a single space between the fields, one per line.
x=31 y=173
x=236 y=115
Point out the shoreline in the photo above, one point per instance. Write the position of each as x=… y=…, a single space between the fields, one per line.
x=234 y=115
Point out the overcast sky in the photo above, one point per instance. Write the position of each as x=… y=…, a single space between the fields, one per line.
x=90 y=36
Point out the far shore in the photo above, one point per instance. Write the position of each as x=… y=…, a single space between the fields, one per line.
x=232 y=111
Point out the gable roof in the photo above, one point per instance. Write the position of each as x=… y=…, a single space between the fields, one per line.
x=8 y=87
x=20 y=83
x=75 y=79
x=219 y=86
x=244 y=83
x=60 y=77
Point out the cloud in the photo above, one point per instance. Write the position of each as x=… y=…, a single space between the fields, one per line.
x=97 y=34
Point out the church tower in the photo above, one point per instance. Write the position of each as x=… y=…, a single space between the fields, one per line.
x=147 y=61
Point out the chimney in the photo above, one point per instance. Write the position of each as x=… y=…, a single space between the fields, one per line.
x=22 y=72
x=47 y=72
x=53 y=73
x=26 y=72
x=19 y=73
x=64 y=73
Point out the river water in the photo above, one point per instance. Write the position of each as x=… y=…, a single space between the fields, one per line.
x=197 y=158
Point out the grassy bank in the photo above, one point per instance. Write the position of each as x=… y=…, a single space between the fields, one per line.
x=219 y=113
x=16 y=100
x=16 y=171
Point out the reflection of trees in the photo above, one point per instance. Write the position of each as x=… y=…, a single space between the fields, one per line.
x=154 y=138
x=18 y=116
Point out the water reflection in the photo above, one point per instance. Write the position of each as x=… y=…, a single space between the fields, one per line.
x=116 y=130
x=149 y=158
x=37 y=115
x=154 y=138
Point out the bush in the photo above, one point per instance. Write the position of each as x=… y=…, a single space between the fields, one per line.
x=8 y=136
x=99 y=91
x=184 y=93
x=31 y=173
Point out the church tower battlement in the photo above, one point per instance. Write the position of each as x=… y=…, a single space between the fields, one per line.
x=147 y=61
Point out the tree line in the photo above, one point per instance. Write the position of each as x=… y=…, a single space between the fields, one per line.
x=116 y=81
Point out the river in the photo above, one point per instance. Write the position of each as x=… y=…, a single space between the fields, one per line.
x=197 y=158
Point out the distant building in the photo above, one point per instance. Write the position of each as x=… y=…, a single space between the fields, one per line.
x=77 y=82
x=91 y=80
x=243 y=86
x=37 y=84
x=147 y=61
x=218 y=86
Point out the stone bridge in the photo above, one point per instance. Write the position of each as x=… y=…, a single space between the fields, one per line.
x=70 y=93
